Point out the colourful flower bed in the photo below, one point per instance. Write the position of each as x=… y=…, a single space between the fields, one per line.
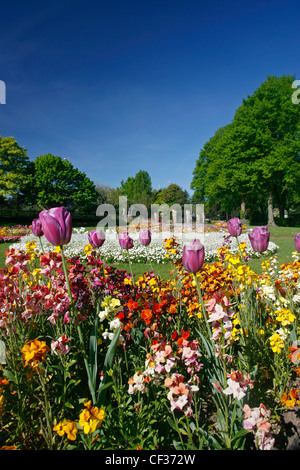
x=155 y=252
x=95 y=359
x=11 y=234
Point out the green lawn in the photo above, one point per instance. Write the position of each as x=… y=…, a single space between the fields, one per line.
x=282 y=236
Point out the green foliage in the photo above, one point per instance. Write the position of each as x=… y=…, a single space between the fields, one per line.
x=255 y=156
x=138 y=189
x=172 y=194
x=13 y=164
x=55 y=182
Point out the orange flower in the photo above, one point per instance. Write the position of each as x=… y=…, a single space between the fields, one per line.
x=146 y=315
x=295 y=353
x=290 y=399
x=34 y=352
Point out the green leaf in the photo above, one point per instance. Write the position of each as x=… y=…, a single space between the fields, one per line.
x=108 y=362
x=10 y=376
x=93 y=350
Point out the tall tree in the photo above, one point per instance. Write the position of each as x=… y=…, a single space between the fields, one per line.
x=138 y=189
x=13 y=167
x=255 y=159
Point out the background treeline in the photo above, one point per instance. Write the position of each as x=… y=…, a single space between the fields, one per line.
x=252 y=165
x=29 y=186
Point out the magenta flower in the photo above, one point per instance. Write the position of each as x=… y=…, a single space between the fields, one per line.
x=234 y=227
x=125 y=241
x=96 y=238
x=259 y=239
x=36 y=227
x=193 y=256
x=57 y=225
x=145 y=237
x=297 y=242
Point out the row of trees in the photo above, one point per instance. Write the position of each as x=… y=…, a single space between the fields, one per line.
x=252 y=164
x=50 y=181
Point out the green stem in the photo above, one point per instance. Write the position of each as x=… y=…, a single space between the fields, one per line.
x=41 y=245
x=203 y=306
x=48 y=414
x=81 y=341
x=129 y=261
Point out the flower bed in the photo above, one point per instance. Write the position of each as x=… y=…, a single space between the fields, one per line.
x=96 y=359
x=10 y=234
x=155 y=252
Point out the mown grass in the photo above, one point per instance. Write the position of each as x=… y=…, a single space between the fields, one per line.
x=281 y=236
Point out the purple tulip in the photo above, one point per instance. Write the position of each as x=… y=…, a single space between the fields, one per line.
x=193 y=256
x=96 y=238
x=57 y=225
x=234 y=227
x=259 y=239
x=36 y=227
x=297 y=242
x=125 y=241
x=145 y=237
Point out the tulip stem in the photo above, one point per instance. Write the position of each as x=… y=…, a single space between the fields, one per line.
x=81 y=342
x=202 y=304
x=129 y=261
x=41 y=245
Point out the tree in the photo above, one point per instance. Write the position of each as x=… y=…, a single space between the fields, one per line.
x=55 y=182
x=13 y=167
x=138 y=189
x=173 y=194
x=254 y=160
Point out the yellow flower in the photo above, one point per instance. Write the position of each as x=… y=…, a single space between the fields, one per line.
x=1 y=400
x=34 y=352
x=276 y=342
x=88 y=249
x=91 y=418
x=67 y=427
x=285 y=316
x=115 y=303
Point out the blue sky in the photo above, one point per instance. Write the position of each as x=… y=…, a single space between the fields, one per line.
x=122 y=86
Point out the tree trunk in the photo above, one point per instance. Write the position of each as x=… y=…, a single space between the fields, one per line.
x=271 y=221
x=243 y=210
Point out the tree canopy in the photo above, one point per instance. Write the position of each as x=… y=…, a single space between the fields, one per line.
x=254 y=161
x=138 y=188
x=13 y=164
x=55 y=182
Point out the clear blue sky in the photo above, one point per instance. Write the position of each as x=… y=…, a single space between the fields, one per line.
x=121 y=86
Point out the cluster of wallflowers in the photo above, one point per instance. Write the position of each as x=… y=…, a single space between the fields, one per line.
x=98 y=359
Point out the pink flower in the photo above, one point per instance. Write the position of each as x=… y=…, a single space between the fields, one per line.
x=60 y=345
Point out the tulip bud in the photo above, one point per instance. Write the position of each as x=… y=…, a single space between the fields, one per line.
x=125 y=241
x=96 y=238
x=145 y=237
x=193 y=256
x=36 y=227
x=259 y=239
x=234 y=227
x=297 y=242
x=57 y=225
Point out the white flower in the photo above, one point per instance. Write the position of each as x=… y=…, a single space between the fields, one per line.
x=234 y=388
x=114 y=324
